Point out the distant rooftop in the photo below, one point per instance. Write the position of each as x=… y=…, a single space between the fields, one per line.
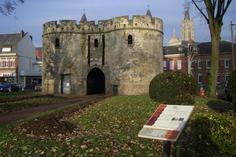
x=203 y=48
x=9 y=39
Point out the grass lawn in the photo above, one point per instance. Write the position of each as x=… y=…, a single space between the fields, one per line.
x=29 y=101
x=14 y=96
x=109 y=128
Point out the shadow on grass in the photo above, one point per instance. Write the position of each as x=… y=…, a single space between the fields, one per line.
x=195 y=141
x=221 y=106
x=49 y=126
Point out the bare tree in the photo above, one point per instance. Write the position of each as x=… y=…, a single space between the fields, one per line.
x=213 y=11
x=7 y=7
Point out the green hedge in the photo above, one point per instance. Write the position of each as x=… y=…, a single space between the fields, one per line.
x=173 y=88
x=209 y=135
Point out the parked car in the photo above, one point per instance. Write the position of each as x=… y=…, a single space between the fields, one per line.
x=9 y=87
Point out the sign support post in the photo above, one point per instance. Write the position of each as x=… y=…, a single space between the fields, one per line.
x=166 y=148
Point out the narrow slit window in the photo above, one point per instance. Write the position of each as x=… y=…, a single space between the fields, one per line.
x=57 y=43
x=130 y=39
x=103 y=49
x=89 y=50
x=95 y=42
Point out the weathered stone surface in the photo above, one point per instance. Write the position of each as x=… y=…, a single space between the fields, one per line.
x=128 y=67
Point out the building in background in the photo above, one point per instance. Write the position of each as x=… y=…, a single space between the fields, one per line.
x=176 y=58
x=37 y=67
x=17 y=56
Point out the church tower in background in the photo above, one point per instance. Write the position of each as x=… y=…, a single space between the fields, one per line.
x=187 y=25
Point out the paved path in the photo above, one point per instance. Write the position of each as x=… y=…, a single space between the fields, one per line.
x=17 y=115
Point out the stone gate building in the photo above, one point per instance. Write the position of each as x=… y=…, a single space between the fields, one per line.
x=117 y=56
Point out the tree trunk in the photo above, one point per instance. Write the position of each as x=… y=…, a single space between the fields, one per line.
x=215 y=10
x=215 y=50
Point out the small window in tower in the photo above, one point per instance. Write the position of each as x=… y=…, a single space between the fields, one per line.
x=57 y=43
x=130 y=39
x=95 y=42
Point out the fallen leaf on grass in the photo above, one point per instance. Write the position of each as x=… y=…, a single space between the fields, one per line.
x=84 y=146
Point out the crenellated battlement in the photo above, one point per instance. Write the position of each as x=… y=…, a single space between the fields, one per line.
x=103 y=26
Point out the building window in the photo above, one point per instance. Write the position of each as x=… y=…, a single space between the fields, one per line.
x=95 y=42
x=208 y=64
x=4 y=63
x=227 y=76
x=226 y=63
x=7 y=62
x=179 y=64
x=218 y=79
x=172 y=65
x=200 y=78
x=57 y=43
x=164 y=65
x=199 y=64
x=6 y=49
x=130 y=39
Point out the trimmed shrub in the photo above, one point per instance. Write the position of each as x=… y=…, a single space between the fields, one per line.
x=173 y=88
x=232 y=86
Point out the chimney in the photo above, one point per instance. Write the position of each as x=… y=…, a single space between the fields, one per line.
x=22 y=33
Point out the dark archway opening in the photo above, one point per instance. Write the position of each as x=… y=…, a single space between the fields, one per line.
x=95 y=82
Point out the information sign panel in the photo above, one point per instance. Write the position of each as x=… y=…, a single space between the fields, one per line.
x=167 y=122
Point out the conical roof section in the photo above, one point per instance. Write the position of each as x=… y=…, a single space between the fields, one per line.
x=186 y=10
x=186 y=14
x=83 y=18
x=149 y=13
x=174 y=41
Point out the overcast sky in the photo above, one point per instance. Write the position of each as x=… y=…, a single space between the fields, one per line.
x=31 y=15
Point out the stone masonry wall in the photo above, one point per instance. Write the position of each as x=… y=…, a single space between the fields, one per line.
x=128 y=66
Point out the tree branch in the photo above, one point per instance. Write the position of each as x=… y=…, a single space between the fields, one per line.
x=200 y=10
x=8 y=6
x=226 y=8
x=214 y=4
x=219 y=9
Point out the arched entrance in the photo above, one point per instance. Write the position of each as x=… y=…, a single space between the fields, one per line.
x=95 y=82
